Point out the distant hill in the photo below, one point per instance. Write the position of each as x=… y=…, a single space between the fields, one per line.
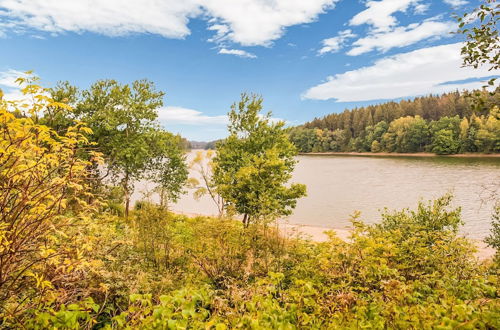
x=197 y=144
x=202 y=144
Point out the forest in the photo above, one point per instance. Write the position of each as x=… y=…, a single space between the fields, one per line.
x=447 y=124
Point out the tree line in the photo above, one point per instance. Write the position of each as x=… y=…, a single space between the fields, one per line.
x=447 y=124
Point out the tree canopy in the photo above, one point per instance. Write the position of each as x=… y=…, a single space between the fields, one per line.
x=123 y=118
x=254 y=164
x=451 y=120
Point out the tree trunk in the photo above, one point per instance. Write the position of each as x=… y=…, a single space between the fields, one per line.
x=246 y=220
x=163 y=198
x=127 y=203
x=127 y=195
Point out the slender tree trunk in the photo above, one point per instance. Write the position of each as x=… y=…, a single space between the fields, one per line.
x=163 y=199
x=246 y=220
x=127 y=195
x=127 y=204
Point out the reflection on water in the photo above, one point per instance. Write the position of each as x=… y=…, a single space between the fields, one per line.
x=339 y=185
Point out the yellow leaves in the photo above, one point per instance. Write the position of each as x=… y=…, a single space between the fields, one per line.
x=104 y=287
x=41 y=177
x=40 y=282
x=59 y=105
x=198 y=158
x=45 y=253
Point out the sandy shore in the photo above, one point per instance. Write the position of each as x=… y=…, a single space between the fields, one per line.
x=395 y=154
x=317 y=234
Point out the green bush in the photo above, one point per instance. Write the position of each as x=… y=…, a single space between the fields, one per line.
x=158 y=270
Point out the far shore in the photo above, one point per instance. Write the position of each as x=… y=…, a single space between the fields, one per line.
x=398 y=154
x=317 y=234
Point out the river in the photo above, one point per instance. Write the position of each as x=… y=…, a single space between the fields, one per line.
x=339 y=185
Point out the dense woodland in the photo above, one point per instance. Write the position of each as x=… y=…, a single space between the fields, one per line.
x=447 y=124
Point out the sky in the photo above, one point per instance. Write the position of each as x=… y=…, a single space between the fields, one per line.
x=306 y=58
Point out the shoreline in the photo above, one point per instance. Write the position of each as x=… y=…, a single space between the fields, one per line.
x=399 y=154
x=317 y=234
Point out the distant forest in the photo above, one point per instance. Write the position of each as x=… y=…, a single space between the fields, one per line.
x=447 y=124
x=202 y=145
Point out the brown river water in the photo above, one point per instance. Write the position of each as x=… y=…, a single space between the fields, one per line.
x=338 y=185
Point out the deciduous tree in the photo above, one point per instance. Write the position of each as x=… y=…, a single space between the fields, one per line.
x=254 y=164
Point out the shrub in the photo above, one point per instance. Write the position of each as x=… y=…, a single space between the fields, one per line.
x=43 y=181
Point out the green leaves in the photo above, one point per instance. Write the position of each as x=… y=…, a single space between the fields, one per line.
x=482 y=40
x=123 y=119
x=254 y=164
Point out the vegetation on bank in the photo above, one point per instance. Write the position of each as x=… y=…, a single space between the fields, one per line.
x=446 y=124
x=69 y=260
x=123 y=121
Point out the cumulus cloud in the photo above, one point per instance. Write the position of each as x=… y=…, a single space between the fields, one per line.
x=401 y=36
x=385 y=32
x=429 y=70
x=111 y=17
x=184 y=116
x=237 y=52
x=13 y=95
x=380 y=14
x=257 y=22
x=333 y=45
x=456 y=3
x=247 y=22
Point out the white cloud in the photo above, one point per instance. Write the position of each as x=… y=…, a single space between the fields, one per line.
x=220 y=32
x=259 y=22
x=385 y=33
x=247 y=22
x=421 y=8
x=172 y=115
x=9 y=86
x=13 y=95
x=111 y=17
x=237 y=52
x=8 y=78
x=456 y=3
x=401 y=36
x=419 y=72
x=333 y=45
x=379 y=14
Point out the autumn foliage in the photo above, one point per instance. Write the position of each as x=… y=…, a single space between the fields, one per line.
x=69 y=260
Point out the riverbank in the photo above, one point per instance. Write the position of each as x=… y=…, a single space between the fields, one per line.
x=318 y=234
x=396 y=154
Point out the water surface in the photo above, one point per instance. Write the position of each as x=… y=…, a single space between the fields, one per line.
x=339 y=185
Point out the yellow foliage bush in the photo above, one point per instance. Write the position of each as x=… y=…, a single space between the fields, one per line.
x=43 y=178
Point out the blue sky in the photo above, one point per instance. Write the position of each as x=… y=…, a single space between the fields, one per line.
x=306 y=58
